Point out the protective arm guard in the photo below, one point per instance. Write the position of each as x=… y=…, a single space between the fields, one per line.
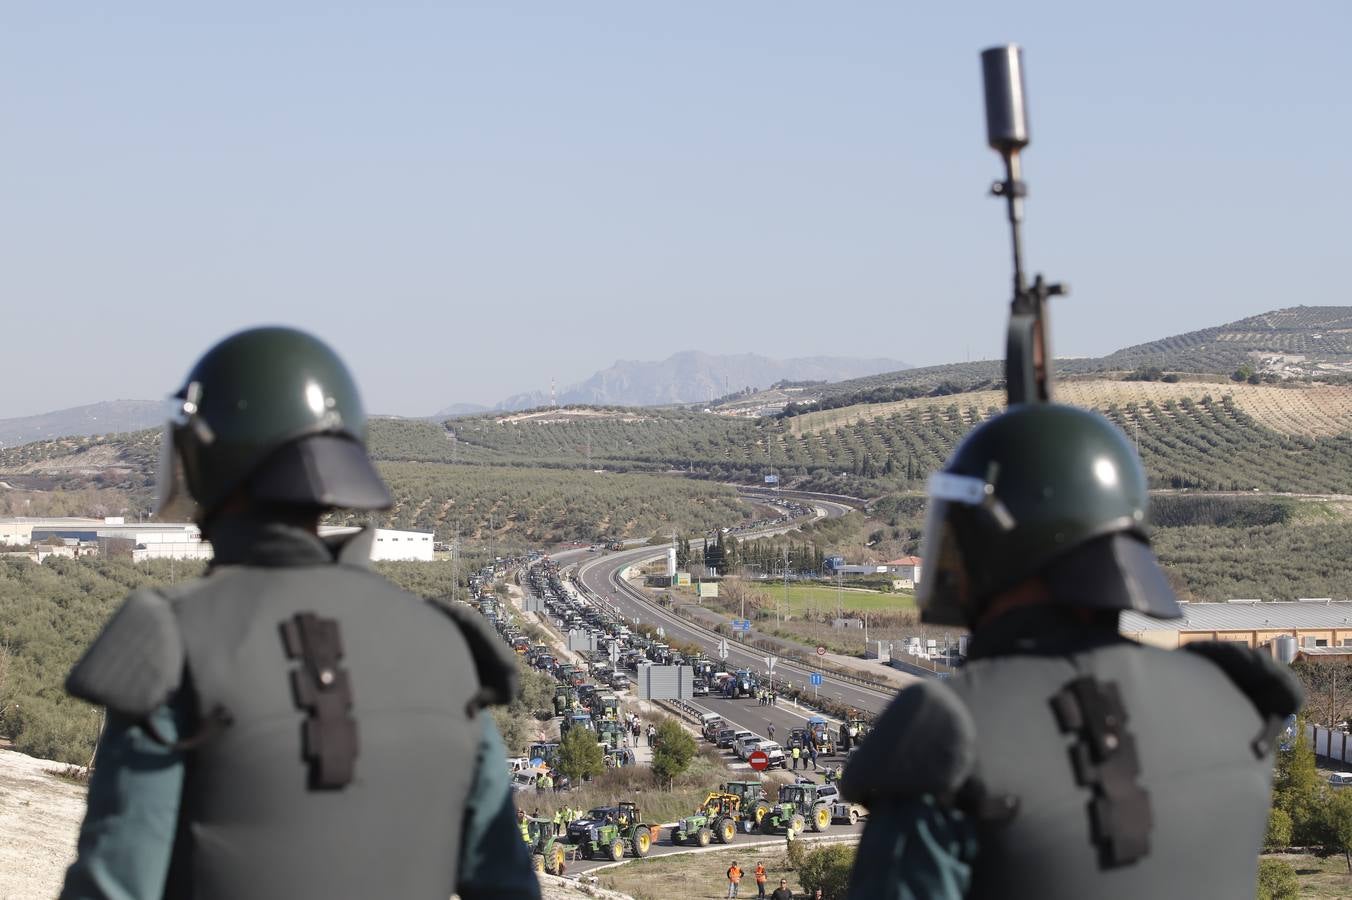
x=136 y=662
x=499 y=678
x=1273 y=689
x=924 y=744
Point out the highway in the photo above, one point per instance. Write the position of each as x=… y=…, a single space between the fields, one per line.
x=601 y=576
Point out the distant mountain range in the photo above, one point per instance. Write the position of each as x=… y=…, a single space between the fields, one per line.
x=687 y=377
x=107 y=417
x=1295 y=342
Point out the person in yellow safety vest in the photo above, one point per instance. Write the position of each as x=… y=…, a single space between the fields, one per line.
x=548 y=782
x=524 y=825
x=795 y=757
x=558 y=821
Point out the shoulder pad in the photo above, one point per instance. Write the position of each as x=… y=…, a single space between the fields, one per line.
x=499 y=679
x=1272 y=687
x=136 y=662
x=923 y=743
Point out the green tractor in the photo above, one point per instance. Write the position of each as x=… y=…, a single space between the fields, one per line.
x=547 y=850
x=715 y=820
x=610 y=732
x=798 y=807
x=564 y=697
x=754 y=802
x=608 y=830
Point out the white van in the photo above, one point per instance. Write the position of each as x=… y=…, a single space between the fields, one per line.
x=1340 y=779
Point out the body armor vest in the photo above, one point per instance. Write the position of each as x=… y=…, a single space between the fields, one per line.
x=1206 y=783
x=253 y=822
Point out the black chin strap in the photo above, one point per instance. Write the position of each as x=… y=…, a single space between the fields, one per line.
x=1105 y=760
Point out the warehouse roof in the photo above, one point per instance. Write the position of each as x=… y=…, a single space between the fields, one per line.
x=1248 y=616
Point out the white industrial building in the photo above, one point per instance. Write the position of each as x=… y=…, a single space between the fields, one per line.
x=176 y=540
x=391 y=545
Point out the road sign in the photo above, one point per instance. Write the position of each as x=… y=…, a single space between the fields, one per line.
x=759 y=760
x=770 y=662
x=821 y=651
x=816 y=679
x=723 y=649
x=741 y=624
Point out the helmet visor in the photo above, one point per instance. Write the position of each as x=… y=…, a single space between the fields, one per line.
x=944 y=595
x=173 y=502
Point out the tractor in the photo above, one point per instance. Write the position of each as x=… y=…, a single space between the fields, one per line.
x=798 y=808
x=545 y=751
x=853 y=732
x=821 y=735
x=608 y=830
x=715 y=820
x=753 y=802
x=547 y=851
x=610 y=732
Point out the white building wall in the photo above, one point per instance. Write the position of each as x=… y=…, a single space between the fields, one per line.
x=16 y=533
x=402 y=545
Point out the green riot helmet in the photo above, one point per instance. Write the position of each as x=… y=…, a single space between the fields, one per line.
x=1042 y=490
x=272 y=412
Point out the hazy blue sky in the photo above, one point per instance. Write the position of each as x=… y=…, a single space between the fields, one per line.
x=469 y=199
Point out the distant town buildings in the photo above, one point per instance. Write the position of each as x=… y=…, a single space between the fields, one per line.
x=140 y=541
x=906 y=570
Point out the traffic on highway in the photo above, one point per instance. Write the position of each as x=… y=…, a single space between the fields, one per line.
x=783 y=759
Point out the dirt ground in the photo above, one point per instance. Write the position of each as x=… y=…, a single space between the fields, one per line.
x=40 y=817
x=1325 y=877
x=698 y=875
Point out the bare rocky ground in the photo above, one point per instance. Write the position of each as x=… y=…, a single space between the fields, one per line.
x=40 y=817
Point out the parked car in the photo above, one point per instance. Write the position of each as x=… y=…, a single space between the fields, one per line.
x=774 y=751
x=746 y=742
x=1340 y=779
x=726 y=737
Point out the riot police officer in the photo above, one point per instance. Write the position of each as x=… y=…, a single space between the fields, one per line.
x=280 y=727
x=1063 y=760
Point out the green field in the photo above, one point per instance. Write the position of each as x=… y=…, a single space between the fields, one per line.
x=821 y=597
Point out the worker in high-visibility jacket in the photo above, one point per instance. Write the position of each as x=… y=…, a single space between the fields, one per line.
x=524 y=824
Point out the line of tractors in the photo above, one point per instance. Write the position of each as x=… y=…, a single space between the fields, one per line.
x=746 y=807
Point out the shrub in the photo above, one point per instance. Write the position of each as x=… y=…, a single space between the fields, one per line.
x=580 y=756
x=675 y=748
x=1278 y=835
x=827 y=868
x=1277 y=880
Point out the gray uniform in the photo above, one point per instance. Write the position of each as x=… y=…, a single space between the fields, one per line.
x=984 y=797
x=271 y=801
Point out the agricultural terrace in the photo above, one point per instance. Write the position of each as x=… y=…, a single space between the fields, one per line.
x=548 y=505
x=1313 y=410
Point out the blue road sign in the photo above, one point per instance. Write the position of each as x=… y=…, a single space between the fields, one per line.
x=816 y=679
x=741 y=624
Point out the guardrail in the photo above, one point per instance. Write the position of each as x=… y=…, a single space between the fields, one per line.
x=682 y=709
x=792 y=494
